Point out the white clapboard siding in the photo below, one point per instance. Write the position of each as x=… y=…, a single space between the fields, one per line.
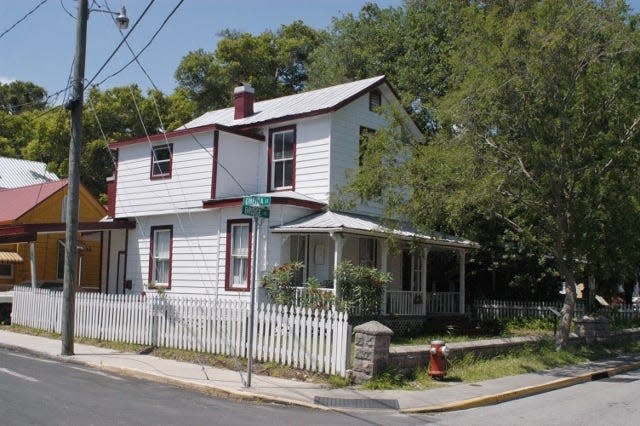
x=311 y=340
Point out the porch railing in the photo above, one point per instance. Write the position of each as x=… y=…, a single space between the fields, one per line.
x=414 y=303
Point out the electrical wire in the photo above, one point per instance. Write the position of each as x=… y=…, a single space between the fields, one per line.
x=23 y=18
x=65 y=9
x=136 y=56
x=106 y=62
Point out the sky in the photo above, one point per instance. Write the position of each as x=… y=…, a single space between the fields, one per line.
x=41 y=48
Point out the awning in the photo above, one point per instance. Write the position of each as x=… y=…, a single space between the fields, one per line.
x=8 y=257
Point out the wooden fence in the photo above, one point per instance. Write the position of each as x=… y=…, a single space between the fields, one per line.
x=506 y=309
x=311 y=340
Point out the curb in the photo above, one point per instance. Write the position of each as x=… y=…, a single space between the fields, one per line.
x=208 y=389
x=523 y=392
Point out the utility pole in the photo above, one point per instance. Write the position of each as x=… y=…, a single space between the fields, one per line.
x=75 y=105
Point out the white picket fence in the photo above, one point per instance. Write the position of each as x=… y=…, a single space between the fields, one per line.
x=317 y=341
x=506 y=309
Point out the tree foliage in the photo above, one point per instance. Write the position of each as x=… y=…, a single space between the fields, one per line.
x=538 y=126
x=273 y=62
x=19 y=96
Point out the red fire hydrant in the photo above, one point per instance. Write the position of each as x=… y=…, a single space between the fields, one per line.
x=437 y=359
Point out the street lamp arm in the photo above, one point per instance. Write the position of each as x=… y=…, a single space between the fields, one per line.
x=121 y=17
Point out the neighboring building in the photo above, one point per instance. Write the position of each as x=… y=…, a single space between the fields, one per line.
x=32 y=222
x=184 y=189
x=15 y=173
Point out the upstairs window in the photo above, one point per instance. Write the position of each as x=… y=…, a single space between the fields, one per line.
x=282 y=145
x=375 y=100
x=238 y=254
x=161 y=159
x=160 y=256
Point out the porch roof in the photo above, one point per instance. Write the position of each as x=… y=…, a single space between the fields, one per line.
x=327 y=222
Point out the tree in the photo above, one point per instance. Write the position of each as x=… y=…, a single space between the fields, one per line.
x=539 y=127
x=411 y=45
x=274 y=63
x=19 y=96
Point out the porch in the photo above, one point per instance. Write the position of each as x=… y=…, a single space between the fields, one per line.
x=428 y=271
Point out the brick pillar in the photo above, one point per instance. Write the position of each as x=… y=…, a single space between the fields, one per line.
x=372 y=341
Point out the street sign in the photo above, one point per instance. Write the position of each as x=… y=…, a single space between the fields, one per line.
x=256 y=211
x=256 y=201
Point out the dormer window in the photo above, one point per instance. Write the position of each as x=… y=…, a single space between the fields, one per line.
x=375 y=100
x=161 y=159
x=282 y=151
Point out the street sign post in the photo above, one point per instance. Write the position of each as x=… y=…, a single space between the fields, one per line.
x=258 y=208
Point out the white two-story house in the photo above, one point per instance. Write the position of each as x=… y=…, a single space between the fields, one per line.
x=185 y=188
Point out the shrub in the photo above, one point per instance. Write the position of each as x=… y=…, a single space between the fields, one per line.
x=314 y=297
x=361 y=287
x=280 y=283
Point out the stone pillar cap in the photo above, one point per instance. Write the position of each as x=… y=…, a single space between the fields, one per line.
x=373 y=328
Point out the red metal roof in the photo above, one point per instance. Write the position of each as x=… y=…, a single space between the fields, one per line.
x=17 y=201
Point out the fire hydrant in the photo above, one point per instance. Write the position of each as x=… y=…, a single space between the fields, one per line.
x=437 y=359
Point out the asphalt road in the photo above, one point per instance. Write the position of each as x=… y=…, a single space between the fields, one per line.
x=39 y=391
x=607 y=402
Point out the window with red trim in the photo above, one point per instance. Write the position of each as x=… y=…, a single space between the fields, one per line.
x=238 y=255
x=282 y=153
x=161 y=161
x=160 y=256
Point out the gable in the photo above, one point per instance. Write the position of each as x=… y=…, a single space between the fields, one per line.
x=44 y=204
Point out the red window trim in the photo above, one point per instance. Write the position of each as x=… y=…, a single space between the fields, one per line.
x=227 y=268
x=152 y=230
x=270 y=159
x=165 y=175
x=214 y=166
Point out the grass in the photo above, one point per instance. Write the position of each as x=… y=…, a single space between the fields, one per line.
x=213 y=360
x=531 y=358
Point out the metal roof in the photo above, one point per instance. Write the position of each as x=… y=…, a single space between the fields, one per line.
x=16 y=202
x=9 y=257
x=15 y=173
x=293 y=105
x=350 y=223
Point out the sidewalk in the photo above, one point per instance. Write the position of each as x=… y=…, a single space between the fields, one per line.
x=228 y=383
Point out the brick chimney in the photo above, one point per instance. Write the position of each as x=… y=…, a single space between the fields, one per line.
x=243 y=100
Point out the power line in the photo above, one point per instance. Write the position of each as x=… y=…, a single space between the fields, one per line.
x=65 y=9
x=121 y=43
x=136 y=56
x=23 y=18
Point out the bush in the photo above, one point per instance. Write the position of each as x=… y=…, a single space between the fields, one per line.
x=361 y=287
x=280 y=283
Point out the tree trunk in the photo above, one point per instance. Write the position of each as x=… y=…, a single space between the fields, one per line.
x=566 y=314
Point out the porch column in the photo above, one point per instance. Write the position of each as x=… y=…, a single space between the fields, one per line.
x=423 y=283
x=32 y=262
x=338 y=245
x=384 y=259
x=461 y=257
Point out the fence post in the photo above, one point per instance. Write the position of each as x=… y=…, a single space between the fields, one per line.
x=372 y=350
